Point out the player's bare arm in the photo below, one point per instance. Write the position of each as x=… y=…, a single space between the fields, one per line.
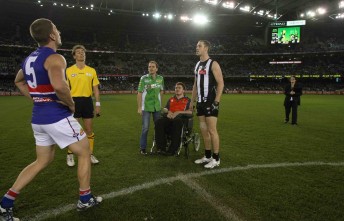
x=56 y=65
x=219 y=79
x=21 y=84
x=97 y=97
x=194 y=94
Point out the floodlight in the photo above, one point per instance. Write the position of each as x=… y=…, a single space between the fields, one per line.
x=211 y=2
x=200 y=19
x=302 y=15
x=321 y=11
x=185 y=18
x=230 y=5
x=340 y=16
x=341 y=4
x=169 y=16
x=311 y=13
x=157 y=15
x=245 y=9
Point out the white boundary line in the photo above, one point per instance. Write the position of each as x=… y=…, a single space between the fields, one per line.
x=130 y=190
x=224 y=210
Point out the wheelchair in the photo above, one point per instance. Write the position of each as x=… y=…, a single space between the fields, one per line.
x=187 y=137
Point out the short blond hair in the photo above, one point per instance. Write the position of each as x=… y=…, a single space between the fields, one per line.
x=78 y=47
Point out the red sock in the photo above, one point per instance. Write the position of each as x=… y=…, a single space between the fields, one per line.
x=8 y=200
x=84 y=192
x=11 y=194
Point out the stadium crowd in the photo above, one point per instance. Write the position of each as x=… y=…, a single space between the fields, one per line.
x=134 y=64
x=118 y=57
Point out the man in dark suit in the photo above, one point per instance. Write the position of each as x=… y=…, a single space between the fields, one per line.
x=292 y=100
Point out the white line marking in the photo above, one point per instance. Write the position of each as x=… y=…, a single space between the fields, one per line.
x=224 y=210
x=130 y=190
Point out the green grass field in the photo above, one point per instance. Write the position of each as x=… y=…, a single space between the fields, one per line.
x=269 y=170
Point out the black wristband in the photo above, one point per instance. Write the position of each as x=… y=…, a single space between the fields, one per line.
x=216 y=103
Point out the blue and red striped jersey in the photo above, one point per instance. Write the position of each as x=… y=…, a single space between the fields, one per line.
x=45 y=110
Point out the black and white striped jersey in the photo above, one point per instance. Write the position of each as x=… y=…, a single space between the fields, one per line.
x=205 y=81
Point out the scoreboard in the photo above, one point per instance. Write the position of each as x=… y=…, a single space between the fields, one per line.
x=286 y=32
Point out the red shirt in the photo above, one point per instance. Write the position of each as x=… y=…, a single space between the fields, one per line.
x=174 y=104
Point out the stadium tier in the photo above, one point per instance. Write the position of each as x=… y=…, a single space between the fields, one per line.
x=121 y=50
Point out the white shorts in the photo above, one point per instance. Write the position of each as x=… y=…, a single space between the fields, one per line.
x=63 y=133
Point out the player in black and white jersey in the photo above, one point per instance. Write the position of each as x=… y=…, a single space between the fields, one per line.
x=207 y=91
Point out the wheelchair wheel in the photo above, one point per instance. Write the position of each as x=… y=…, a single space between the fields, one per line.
x=196 y=141
x=152 y=150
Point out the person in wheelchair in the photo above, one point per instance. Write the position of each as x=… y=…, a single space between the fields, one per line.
x=172 y=122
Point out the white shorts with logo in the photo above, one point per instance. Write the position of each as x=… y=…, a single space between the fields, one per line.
x=63 y=133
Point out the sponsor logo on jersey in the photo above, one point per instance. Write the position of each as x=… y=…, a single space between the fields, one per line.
x=152 y=86
x=42 y=99
x=201 y=70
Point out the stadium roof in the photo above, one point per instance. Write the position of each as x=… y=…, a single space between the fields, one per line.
x=265 y=9
x=290 y=9
x=248 y=15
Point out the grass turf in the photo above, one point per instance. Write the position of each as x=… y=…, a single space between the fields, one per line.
x=251 y=131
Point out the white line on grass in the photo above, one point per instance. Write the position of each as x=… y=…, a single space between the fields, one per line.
x=130 y=190
x=224 y=210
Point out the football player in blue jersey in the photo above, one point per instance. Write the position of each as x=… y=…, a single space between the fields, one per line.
x=42 y=80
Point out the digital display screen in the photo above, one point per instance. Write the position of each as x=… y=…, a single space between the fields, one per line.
x=285 y=35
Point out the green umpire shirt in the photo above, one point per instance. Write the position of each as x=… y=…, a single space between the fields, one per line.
x=150 y=89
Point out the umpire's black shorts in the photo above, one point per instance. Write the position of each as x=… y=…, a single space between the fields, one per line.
x=206 y=109
x=83 y=107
